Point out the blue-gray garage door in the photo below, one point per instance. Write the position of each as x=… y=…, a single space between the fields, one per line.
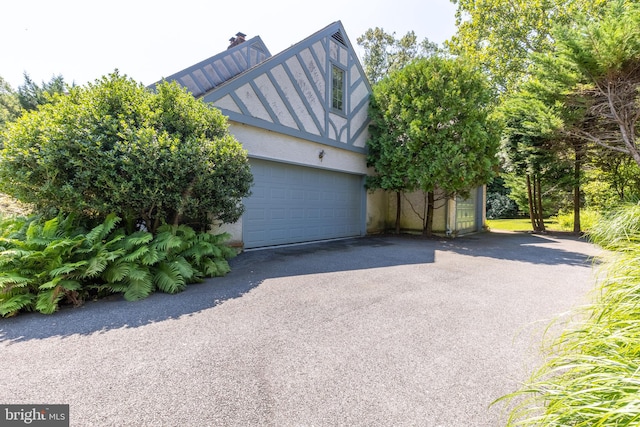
x=294 y=204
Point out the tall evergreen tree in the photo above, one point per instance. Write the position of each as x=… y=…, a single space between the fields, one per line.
x=433 y=130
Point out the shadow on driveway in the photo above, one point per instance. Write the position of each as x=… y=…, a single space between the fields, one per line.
x=523 y=247
x=251 y=268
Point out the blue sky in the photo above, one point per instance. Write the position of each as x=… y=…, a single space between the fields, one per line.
x=148 y=40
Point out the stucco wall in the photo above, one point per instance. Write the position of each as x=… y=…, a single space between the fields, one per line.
x=268 y=145
x=416 y=201
x=377 y=202
x=444 y=215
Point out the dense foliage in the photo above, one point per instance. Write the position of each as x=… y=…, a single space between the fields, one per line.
x=432 y=129
x=501 y=35
x=114 y=146
x=9 y=106
x=31 y=95
x=46 y=263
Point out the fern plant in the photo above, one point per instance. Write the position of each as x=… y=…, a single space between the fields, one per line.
x=168 y=261
x=43 y=263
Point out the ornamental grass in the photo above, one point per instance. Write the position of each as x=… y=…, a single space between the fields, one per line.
x=591 y=376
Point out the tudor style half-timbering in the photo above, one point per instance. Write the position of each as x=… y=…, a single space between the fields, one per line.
x=302 y=117
x=314 y=90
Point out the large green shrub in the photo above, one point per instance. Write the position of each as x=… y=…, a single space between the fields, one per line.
x=44 y=263
x=114 y=146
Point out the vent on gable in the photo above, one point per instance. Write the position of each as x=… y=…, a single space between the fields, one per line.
x=337 y=36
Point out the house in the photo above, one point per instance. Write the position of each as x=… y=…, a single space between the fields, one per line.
x=302 y=117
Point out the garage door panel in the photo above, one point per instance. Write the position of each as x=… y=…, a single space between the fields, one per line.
x=291 y=204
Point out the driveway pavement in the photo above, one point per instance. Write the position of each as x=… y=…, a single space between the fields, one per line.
x=377 y=331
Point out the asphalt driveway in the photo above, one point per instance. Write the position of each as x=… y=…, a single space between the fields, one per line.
x=374 y=331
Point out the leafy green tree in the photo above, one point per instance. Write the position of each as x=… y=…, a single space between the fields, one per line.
x=376 y=44
x=384 y=54
x=9 y=105
x=605 y=54
x=613 y=179
x=114 y=146
x=436 y=127
x=31 y=95
x=387 y=147
x=533 y=147
x=500 y=35
x=581 y=96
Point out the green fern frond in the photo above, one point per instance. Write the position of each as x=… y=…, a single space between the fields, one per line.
x=166 y=241
x=117 y=271
x=112 y=255
x=186 y=232
x=138 y=238
x=116 y=288
x=228 y=252
x=217 y=239
x=50 y=228
x=62 y=284
x=222 y=267
x=184 y=267
x=209 y=268
x=137 y=272
x=12 y=278
x=138 y=288
x=70 y=285
x=202 y=249
x=152 y=257
x=168 y=279
x=37 y=243
x=109 y=224
x=13 y=254
x=95 y=266
x=63 y=244
x=12 y=305
x=48 y=300
x=137 y=254
x=67 y=269
x=94 y=234
x=100 y=232
x=113 y=240
x=51 y=284
x=215 y=267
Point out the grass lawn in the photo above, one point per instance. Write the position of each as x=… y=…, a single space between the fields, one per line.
x=520 y=224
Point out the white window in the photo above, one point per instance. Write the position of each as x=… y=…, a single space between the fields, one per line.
x=337 y=88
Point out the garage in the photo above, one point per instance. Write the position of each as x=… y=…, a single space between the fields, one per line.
x=294 y=204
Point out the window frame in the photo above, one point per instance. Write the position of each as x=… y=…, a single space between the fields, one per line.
x=342 y=90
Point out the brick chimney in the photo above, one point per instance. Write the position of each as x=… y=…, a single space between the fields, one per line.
x=235 y=41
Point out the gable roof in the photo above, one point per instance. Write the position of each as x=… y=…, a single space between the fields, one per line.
x=212 y=72
x=290 y=92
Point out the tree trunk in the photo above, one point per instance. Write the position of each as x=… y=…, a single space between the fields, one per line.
x=577 y=166
x=538 y=192
x=532 y=213
x=428 y=224
x=186 y=195
x=398 y=211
